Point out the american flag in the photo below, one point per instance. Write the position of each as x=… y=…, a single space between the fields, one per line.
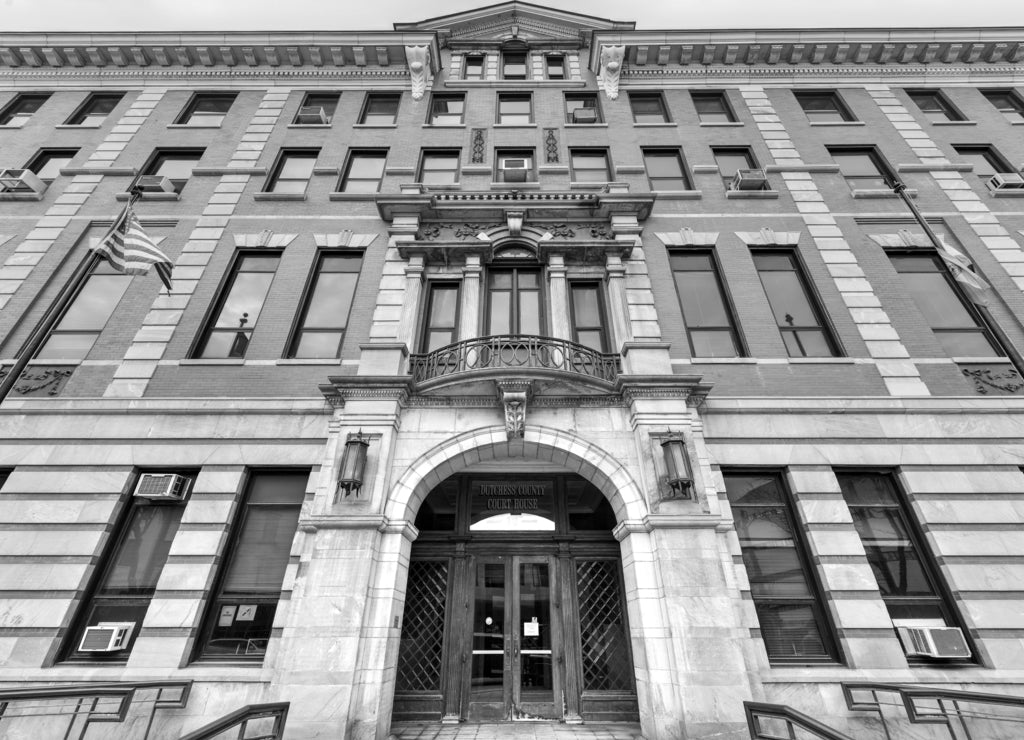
x=960 y=267
x=129 y=249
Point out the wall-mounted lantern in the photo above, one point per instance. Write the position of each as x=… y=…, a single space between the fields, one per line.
x=677 y=463
x=353 y=463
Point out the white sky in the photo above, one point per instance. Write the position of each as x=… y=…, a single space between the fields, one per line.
x=285 y=15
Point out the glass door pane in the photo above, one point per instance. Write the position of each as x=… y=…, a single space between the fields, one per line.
x=488 y=694
x=535 y=685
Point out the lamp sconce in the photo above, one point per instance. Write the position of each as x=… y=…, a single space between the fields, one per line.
x=353 y=464
x=677 y=463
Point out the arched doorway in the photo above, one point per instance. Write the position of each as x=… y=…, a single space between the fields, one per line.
x=514 y=606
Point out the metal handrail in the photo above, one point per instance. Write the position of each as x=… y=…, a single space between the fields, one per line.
x=241 y=717
x=512 y=351
x=939 y=714
x=793 y=719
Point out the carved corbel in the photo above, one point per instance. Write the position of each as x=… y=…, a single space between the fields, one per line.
x=513 y=396
x=611 y=68
x=515 y=222
x=419 y=67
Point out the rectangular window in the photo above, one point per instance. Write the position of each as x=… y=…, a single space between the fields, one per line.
x=515 y=109
x=242 y=297
x=238 y=623
x=326 y=306
x=474 y=67
x=513 y=65
x=588 y=324
x=732 y=159
x=710 y=326
x=862 y=168
x=665 y=170
x=514 y=302
x=590 y=165
x=380 y=109
x=48 y=163
x=1008 y=103
x=514 y=165
x=174 y=164
x=441 y=327
x=293 y=170
x=448 y=110
x=954 y=321
x=935 y=106
x=439 y=167
x=94 y=111
x=17 y=112
x=786 y=596
x=796 y=313
x=317 y=109
x=986 y=160
x=554 y=65
x=364 y=171
x=127 y=574
x=582 y=108
x=713 y=107
x=824 y=107
x=648 y=108
x=206 y=109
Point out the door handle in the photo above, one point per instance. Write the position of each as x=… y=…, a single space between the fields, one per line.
x=515 y=647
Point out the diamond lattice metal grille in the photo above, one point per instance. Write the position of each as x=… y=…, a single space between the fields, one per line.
x=421 y=650
x=606 y=663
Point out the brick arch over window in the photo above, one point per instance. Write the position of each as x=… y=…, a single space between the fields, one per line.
x=540 y=443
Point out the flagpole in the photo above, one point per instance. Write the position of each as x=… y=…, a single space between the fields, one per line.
x=900 y=189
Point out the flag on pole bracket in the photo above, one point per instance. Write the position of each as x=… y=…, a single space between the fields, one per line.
x=960 y=267
x=128 y=249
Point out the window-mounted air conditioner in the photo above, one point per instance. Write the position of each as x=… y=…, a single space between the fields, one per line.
x=749 y=180
x=162 y=487
x=21 y=181
x=515 y=170
x=154 y=184
x=934 y=642
x=106 y=637
x=584 y=115
x=311 y=114
x=1006 y=181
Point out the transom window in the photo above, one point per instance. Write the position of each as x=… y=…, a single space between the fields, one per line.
x=793 y=306
x=824 y=107
x=710 y=325
x=380 y=109
x=514 y=301
x=712 y=107
x=206 y=109
x=935 y=106
x=95 y=109
x=648 y=108
x=447 y=110
x=515 y=109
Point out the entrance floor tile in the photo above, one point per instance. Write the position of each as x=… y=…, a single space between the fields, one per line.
x=517 y=730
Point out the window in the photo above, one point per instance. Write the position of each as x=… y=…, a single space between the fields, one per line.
x=238 y=623
x=709 y=322
x=18 y=111
x=128 y=573
x=713 y=107
x=954 y=321
x=447 y=110
x=380 y=109
x=293 y=170
x=440 y=327
x=648 y=108
x=590 y=165
x=986 y=160
x=786 y=597
x=514 y=301
x=862 y=168
x=328 y=300
x=48 y=163
x=934 y=105
x=515 y=109
x=824 y=107
x=514 y=165
x=732 y=159
x=588 y=324
x=474 y=67
x=906 y=575
x=582 y=108
x=238 y=310
x=513 y=65
x=439 y=167
x=364 y=171
x=665 y=169
x=206 y=109
x=174 y=164
x=554 y=65
x=1008 y=103
x=317 y=108
x=796 y=314
x=95 y=109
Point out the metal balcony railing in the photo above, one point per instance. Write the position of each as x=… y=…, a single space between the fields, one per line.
x=514 y=352
x=780 y=722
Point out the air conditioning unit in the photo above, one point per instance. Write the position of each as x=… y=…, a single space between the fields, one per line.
x=515 y=170
x=154 y=184
x=21 y=181
x=584 y=115
x=310 y=114
x=106 y=637
x=934 y=642
x=1006 y=181
x=162 y=487
x=749 y=180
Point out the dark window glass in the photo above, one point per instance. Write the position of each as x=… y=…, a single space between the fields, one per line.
x=19 y=110
x=317 y=108
x=712 y=107
x=934 y=106
x=239 y=309
x=441 y=325
x=95 y=109
x=513 y=65
x=514 y=301
x=206 y=109
x=447 y=110
x=1008 y=103
x=665 y=169
x=439 y=167
x=292 y=173
x=863 y=169
x=48 y=163
x=796 y=314
x=587 y=316
x=381 y=109
x=514 y=165
x=955 y=324
x=709 y=322
x=590 y=165
x=515 y=109
x=986 y=160
x=364 y=172
x=582 y=108
x=732 y=159
x=648 y=108
x=474 y=67
x=241 y=616
x=823 y=107
x=785 y=594
x=555 y=66
x=326 y=306
x=174 y=164
x=4 y=475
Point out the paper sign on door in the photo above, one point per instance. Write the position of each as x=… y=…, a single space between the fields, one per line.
x=531 y=628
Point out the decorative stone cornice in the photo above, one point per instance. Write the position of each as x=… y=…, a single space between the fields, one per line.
x=341 y=388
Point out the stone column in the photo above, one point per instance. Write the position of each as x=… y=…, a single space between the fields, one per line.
x=411 y=303
x=618 y=308
x=469 y=310
x=558 y=297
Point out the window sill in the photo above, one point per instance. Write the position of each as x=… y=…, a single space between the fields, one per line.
x=981 y=360
x=353 y=196
x=679 y=194
x=78 y=125
x=876 y=193
x=1017 y=123
x=13 y=126
x=705 y=169
x=721 y=124
x=822 y=361
x=212 y=361
x=279 y=196
x=404 y=171
x=802 y=168
x=219 y=171
x=723 y=360
x=667 y=124
x=515 y=125
x=107 y=171
x=375 y=125
x=318 y=361
x=837 y=123
x=123 y=197
x=586 y=125
x=630 y=169
x=596 y=186
x=53 y=362
x=441 y=187
x=327 y=171
x=1005 y=193
x=444 y=125
x=21 y=196
x=552 y=169
x=954 y=123
x=752 y=194
x=309 y=125
x=193 y=125
x=946 y=167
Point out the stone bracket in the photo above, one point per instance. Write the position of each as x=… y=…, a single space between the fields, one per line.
x=418 y=58
x=514 y=395
x=612 y=58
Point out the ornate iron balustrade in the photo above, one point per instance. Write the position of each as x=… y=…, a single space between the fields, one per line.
x=511 y=352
